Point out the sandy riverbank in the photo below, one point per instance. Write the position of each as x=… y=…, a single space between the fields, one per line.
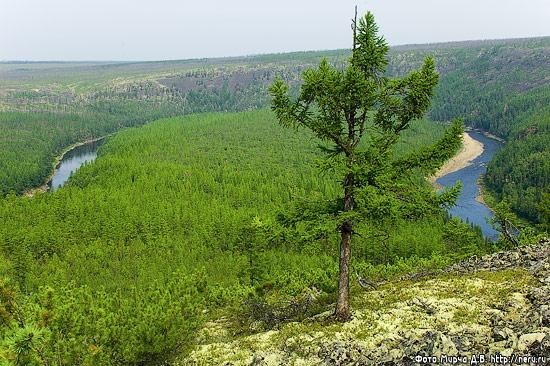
x=471 y=149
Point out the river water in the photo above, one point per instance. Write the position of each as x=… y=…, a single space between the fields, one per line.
x=467 y=207
x=71 y=161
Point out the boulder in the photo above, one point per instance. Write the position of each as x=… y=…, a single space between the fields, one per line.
x=530 y=341
x=503 y=334
x=431 y=343
x=342 y=353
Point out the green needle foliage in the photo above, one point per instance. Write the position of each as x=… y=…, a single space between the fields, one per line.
x=361 y=114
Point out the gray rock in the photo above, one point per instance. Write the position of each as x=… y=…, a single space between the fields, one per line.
x=342 y=353
x=503 y=334
x=528 y=256
x=258 y=360
x=540 y=298
x=545 y=315
x=431 y=343
x=529 y=341
x=541 y=348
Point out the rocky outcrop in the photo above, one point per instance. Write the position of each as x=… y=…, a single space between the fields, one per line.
x=526 y=335
x=496 y=306
x=534 y=258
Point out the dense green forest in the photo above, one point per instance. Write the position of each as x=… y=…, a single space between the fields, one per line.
x=499 y=86
x=176 y=223
x=520 y=173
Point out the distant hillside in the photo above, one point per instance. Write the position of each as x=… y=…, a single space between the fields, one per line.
x=487 y=69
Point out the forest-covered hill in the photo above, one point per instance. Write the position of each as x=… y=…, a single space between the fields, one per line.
x=500 y=86
x=179 y=221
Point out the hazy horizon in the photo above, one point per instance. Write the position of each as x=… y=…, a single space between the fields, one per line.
x=255 y=54
x=136 y=31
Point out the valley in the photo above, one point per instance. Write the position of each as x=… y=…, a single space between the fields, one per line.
x=510 y=103
x=187 y=225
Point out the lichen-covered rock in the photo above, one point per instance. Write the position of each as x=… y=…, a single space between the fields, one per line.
x=542 y=347
x=342 y=353
x=503 y=334
x=431 y=343
x=531 y=257
x=529 y=341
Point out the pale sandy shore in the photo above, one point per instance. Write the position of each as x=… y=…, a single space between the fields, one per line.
x=471 y=149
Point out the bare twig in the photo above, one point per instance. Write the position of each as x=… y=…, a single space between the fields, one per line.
x=364 y=283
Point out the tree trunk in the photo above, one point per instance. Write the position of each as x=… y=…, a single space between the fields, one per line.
x=342 y=305
x=342 y=312
x=505 y=224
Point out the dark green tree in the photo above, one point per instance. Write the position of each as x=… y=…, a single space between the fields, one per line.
x=359 y=115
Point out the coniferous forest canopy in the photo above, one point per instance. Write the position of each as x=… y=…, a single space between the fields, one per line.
x=201 y=206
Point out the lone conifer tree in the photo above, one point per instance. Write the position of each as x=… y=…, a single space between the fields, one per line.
x=361 y=113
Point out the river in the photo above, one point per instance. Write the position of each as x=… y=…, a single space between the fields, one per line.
x=71 y=161
x=468 y=208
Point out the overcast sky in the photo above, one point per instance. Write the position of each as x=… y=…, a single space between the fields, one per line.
x=179 y=29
